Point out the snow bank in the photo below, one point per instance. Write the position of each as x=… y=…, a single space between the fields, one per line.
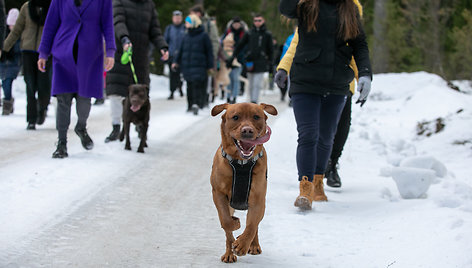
x=412 y=182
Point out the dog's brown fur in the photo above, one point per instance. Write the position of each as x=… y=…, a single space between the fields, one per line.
x=237 y=117
x=139 y=96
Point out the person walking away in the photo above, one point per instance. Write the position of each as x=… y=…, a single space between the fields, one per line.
x=10 y=63
x=195 y=58
x=74 y=33
x=138 y=34
x=173 y=35
x=319 y=82
x=29 y=27
x=258 y=55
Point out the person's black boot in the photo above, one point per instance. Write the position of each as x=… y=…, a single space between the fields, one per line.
x=87 y=142
x=31 y=126
x=181 y=92
x=332 y=176
x=41 y=116
x=171 y=96
x=61 y=150
x=115 y=133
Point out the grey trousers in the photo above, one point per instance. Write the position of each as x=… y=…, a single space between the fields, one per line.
x=255 y=86
x=64 y=103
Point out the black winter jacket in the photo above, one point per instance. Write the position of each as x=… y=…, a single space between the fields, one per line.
x=137 y=20
x=195 y=55
x=321 y=62
x=259 y=49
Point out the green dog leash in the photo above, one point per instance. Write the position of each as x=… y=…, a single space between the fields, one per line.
x=126 y=58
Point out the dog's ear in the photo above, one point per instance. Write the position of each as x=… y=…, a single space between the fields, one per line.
x=269 y=108
x=218 y=109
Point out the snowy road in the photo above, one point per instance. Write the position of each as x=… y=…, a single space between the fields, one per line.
x=113 y=208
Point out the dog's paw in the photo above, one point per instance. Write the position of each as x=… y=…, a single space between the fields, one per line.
x=232 y=225
x=241 y=246
x=255 y=249
x=140 y=150
x=229 y=257
x=128 y=148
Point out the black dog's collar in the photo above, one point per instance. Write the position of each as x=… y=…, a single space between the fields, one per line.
x=242 y=178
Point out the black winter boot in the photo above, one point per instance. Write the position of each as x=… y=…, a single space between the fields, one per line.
x=115 y=133
x=87 y=142
x=61 y=151
x=41 y=116
x=331 y=174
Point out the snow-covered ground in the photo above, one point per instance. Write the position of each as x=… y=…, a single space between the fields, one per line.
x=110 y=207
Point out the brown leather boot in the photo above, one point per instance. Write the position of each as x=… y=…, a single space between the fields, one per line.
x=305 y=198
x=318 y=190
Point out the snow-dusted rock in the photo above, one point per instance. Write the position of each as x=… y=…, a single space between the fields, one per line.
x=412 y=182
x=426 y=162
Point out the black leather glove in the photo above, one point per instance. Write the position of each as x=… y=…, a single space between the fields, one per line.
x=281 y=78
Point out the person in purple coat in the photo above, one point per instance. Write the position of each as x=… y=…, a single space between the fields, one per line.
x=74 y=33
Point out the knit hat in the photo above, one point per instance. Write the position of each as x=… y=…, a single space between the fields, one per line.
x=194 y=20
x=12 y=16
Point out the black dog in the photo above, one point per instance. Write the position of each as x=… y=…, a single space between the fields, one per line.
x=136 y=109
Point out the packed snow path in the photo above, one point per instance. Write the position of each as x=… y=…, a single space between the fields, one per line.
x=112 y=208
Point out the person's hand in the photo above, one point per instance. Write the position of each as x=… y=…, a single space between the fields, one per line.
x=281 y=78
x=364 y=89
x=42 y=65
x=165 y=54
x=109 y=62
x=211 y=71
x=229 y=62
x=174 y=66
x=126 y=46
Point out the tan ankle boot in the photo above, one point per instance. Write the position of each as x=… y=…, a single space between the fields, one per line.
x=318 y=190
x=305 y=198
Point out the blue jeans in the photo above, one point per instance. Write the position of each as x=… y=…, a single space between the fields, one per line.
x=234 y=81
x=6 y=85
x=317 y=118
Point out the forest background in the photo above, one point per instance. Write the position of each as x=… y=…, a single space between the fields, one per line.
x=404 y=35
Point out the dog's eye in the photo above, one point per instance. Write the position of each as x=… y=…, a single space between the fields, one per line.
x=256 y=117
x=235 y=118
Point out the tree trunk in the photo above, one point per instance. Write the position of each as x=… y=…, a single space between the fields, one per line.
x=380 y=49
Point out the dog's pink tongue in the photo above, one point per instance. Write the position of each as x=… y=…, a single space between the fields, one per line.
x=135 y=108
x=262 y=139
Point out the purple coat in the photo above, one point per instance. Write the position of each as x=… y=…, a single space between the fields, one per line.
x=90 y=24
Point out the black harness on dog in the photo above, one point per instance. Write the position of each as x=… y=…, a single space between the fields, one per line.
x=242 y=178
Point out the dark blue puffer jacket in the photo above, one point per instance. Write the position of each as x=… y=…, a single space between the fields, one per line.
x=195 y=55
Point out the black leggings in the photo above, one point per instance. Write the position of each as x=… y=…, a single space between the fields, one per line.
x=343 y=130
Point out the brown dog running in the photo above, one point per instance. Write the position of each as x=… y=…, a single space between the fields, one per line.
x=243 y=131
x=136 y=110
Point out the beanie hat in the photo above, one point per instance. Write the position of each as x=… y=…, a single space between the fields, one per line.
x=194 y=20
x=12 y=16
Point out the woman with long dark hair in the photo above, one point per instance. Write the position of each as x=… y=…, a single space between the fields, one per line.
x=330 y=33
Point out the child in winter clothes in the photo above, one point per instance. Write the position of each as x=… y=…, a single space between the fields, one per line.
x=195 y=58
x=10 y=65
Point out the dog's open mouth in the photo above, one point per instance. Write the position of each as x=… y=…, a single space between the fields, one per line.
x=135 y=107
x=246 y=149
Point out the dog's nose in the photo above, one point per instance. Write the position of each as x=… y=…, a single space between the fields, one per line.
x=247 y=132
